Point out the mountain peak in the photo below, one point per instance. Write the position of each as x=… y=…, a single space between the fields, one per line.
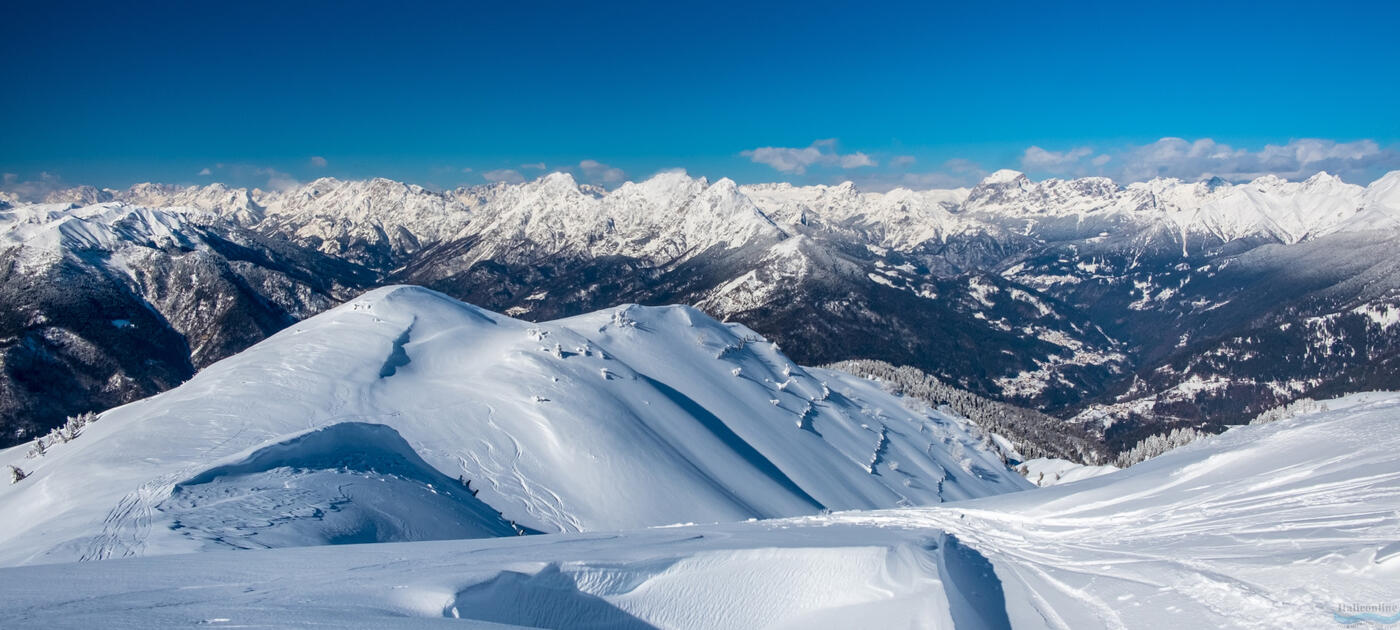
x=667 y=179
x=1003 y=176
x=559 y=179
x=725 y=185
x=1322 y=177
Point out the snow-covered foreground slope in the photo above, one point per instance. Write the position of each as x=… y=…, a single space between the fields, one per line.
x=362 y=425
x=1274 y=526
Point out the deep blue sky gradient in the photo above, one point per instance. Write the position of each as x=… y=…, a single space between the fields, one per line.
x=110 y=95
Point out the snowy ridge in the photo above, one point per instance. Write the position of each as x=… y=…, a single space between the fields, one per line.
x=664 y=218
x=624 y=418
x=47 y=231
x=1290 y=524
x=899 y=219
x=672 y=213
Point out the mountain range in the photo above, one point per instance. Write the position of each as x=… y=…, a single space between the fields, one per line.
x=1125 y=310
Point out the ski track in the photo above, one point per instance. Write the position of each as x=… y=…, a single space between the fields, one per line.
x=127 y=526
x=504 y=471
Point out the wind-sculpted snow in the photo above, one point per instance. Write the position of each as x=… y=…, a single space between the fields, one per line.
x=630 y=417
x=340 y=484
x=1290 y=524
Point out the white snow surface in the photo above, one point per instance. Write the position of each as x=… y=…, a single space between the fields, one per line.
x=357 y=424
x=1282 y=525
x=1045 y=471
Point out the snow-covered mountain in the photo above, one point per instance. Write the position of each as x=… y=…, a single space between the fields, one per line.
x=406 y=415
x=1083 y=298
x=1286 y=525
x=108 y=303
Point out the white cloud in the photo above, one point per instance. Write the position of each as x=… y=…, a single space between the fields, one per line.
x=34 y=189
x=538 y=166
x=1298 y=159
x=318 y=161
x=1038 y=159
x=1359 y=161
x=937 y=180
x=466 y=169
x=954 y=173
x=964 y=167
x=819 y=153
x=507 y=175
x=277 y=180
x=596 y=171
x=856 y=160
x=902 y=160
x=206 y=171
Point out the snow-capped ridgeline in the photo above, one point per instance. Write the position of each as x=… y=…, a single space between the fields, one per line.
x=672 y=214
x=1286 y=525
x=1268 y=207
x=43 y=233
x=406 y=415
x=666 y=217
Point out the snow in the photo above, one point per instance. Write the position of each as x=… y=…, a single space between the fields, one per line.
x=1279 y=525
x=1003 y=176
x=357 y=424
x=1383 y=316
x=47 y=231
x=1049 y=471
x=362 y=426
x=879 y=279
x=1006 y=447
x=981 y=290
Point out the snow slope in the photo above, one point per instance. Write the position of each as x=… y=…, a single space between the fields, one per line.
x=1044 y=471
x=360 y=425
x=1284 y=525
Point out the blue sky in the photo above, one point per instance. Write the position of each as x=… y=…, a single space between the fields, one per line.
x=919 y=94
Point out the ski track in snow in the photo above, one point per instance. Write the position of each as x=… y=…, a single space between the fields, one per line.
x=506 y=480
